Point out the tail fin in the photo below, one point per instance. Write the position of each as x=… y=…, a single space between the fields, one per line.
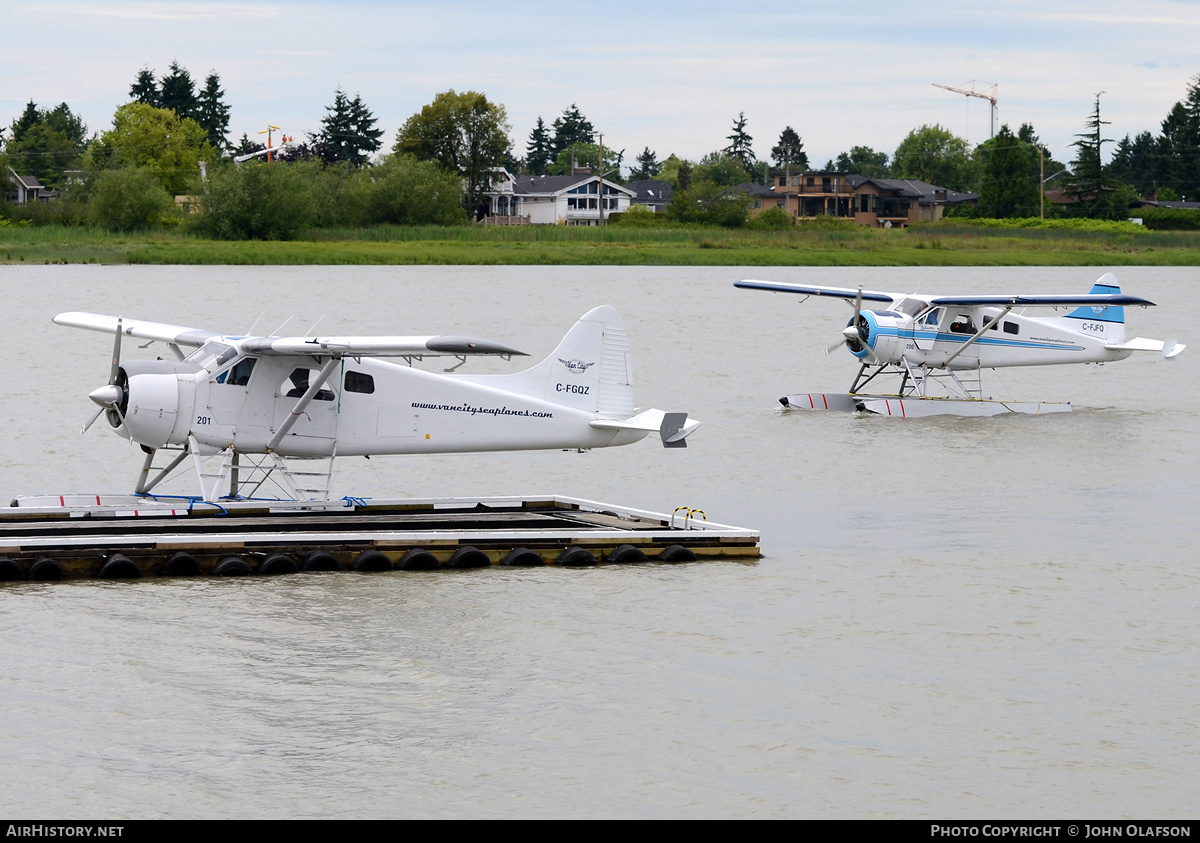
x=1112 y=316
x=590 y=370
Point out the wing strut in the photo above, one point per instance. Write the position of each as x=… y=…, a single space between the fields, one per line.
x=305 y=399
x=987 y=326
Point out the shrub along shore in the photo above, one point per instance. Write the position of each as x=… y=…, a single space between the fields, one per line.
x=945 y=243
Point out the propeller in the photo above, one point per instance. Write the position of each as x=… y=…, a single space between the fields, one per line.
x=111 y=395
x=857 y=332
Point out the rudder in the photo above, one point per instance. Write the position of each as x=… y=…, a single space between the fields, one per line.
x=590 y=369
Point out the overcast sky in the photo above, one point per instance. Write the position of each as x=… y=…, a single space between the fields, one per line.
x=668 y=75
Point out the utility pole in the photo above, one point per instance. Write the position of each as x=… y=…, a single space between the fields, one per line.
x=988 y=94
x=601 y=136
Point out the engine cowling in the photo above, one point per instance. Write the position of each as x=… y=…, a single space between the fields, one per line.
x=150 y=403
x=878 y=335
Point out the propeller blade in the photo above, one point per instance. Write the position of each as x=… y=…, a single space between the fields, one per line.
x=92 y=420
x=116 y=358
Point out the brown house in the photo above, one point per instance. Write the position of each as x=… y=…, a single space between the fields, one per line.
x=876 y=202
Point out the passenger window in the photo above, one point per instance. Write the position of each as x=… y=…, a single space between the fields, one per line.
x=1012 y=328
x=297 y=383
x=358 y=382
x=963 y=325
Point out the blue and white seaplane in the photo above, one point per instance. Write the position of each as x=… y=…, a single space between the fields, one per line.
x=937 y=346
x=243 y=408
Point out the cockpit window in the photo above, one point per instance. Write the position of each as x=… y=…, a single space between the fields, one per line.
x=239 y=373
x=911 y=307
x=212 y=355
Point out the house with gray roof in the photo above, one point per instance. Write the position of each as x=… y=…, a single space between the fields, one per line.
x=578 y=199
x=652 y=194
x=28 y=188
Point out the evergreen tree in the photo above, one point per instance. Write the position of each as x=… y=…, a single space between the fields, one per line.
x=537 y=152
x=1093 y=191
x=45 y=143
x=62 y=120
x=145 y=88
x=789 y=152
x=212 y=113
x=1007 y=189
x=647 y=166
x=348 y=131
x=1178 y=165
x=364 y=134
x=28 y=119
x=178 y=93
x=1135 y=162
x=245 y=146
x=570 y=129
x=739 y=143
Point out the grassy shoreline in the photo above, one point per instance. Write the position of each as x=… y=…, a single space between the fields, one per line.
x=939 y=244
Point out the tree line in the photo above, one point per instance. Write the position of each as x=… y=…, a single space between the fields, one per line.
x=171 y=140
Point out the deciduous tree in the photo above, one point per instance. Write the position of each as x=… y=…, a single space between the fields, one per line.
x=157 y=139
x=464 y=133
x=862 y=161
x=936 y=155
x=1007 y=189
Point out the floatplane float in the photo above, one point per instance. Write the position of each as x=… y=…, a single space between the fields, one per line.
x=938 y=346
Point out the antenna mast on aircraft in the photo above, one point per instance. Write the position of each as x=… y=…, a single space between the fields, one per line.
x=988 y=94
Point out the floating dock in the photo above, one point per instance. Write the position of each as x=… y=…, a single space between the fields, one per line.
x=126 y=537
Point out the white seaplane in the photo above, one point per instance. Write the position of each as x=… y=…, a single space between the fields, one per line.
x=243 y=407
x=942 y=343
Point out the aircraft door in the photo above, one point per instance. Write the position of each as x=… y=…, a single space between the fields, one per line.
x=925 y=329
x=316 y=428
x=957 y=328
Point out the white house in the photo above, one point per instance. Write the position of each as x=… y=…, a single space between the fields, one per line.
x=28 y=188
x=581 y=199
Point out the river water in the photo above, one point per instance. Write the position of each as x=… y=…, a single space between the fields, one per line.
x=952 y=618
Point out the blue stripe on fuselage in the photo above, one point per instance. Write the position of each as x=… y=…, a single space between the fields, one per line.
x=938 y=336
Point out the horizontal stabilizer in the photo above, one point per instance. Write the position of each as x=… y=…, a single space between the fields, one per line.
x=1169 y=348
x=673 y=428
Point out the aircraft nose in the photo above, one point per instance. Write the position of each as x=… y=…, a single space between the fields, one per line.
x=850 y=332
x=107 y=395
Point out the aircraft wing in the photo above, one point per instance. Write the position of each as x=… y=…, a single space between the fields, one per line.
x=1096 y=300
x=806 y=290
x=435 y=346
x=176 y=334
